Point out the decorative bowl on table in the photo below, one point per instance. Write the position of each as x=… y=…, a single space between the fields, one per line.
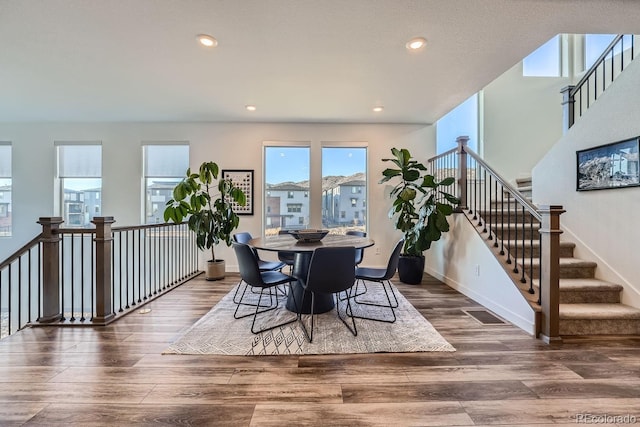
x=309 y=235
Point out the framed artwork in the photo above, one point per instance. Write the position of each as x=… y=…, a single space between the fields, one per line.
x=243 y=179
x=608 y=166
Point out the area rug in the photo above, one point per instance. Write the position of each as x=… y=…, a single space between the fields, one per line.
x=217 y=332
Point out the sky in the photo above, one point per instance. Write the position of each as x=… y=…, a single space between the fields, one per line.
x=292 y=163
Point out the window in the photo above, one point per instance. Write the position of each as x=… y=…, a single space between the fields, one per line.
x=294 y=207
x=5 y=189
x=291 y=192
x=286 y=177
x=164 y=166
x=79 y=174
x=344 y=172
x=462 y=120
x=544 y=61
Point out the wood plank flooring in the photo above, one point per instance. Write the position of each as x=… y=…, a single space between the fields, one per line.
x=499 y=375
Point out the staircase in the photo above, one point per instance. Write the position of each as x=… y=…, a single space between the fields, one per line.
x=588 y=306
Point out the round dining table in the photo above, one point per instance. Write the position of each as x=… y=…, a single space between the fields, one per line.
x=303 y=252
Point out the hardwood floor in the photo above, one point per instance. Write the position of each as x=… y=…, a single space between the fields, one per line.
x=117 y=376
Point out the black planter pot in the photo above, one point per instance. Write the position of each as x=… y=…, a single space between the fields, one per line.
x=410 y=269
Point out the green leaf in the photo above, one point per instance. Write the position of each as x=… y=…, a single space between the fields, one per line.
x=407 y=194
x=429 y=181
x=447 y=181
x=444 y=208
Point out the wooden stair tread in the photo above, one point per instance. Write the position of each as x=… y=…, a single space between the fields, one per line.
x=598 y=311
x=568 y=262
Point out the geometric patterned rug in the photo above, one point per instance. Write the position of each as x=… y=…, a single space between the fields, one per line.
x=217 y=332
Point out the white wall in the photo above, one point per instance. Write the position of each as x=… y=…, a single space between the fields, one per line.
x=605 y=221
x=522 y=119
x=231 y=145
x=453 y=260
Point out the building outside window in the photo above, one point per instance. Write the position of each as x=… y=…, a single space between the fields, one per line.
x=5 y=189
x=165 y=164
x=79 y=175
x=344 y=173
x=286 y=189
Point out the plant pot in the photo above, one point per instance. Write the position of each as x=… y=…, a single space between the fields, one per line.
x=411 y=269
x=215 y=269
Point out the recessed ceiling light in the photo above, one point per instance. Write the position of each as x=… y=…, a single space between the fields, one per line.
x=250 y=107
x=416 y=43
x=378 y=108
x=207 y=41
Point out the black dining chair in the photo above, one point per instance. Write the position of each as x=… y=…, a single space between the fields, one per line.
x=263 y=280
x=382 y=276
x=286 y=256
x=244 y=238
x=331 y=271
x=264 y=265
x=359 y=251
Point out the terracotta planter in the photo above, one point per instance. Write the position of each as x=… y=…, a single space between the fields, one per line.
x=411 y=269
x=215 y=269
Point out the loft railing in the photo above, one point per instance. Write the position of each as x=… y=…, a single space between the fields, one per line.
x=89 y=276
x=524 y=237
x=578 y=98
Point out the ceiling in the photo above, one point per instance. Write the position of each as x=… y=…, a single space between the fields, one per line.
x=296 y=60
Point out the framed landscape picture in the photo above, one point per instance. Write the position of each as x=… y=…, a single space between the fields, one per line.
x=612 y=165
x=243 y=179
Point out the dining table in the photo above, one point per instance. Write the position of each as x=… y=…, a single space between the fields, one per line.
x=303 y=252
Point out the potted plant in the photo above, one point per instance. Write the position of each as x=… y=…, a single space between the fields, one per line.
x=210 y=216
x=420 y=209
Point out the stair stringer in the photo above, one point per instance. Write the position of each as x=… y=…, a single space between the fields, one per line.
x=453 y=260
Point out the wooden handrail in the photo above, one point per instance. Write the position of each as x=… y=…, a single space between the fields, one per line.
x=24 y=249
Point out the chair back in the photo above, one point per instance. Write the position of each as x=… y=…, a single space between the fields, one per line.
x=359 y=251
x=331 y=269
x=243 y=237
x=248 y=264
x=392 y=265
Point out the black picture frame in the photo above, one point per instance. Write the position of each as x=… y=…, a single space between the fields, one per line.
x=608 y=166
x=243 y=179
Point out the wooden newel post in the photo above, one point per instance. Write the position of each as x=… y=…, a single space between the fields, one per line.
x=462 y=172
x=568 y=107
x=50 y=240
x=550 y=272
x=104 y=284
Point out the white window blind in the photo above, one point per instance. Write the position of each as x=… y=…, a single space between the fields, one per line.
x=166 y=160
x=5 y=160
x=79 y=161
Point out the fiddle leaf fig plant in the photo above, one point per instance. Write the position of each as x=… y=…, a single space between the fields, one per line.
x=420 y=205
x=210 y=215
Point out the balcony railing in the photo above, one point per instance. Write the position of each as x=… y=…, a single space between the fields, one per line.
x=89 y=276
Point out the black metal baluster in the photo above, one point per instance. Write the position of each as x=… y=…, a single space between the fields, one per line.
x=9 y=286
x=531 y=219
x=510 y=244
x=73 y=278
x=501 y=219
x=540 y=270
x=495 y=215
x=39 y=281
x=517 y=242
x=82 y=261
x=19 y=293
x=484 y=197
x=93 y=275
x=29 y=300
x=140 y=264
x=126 y=263
x=62 y=282
x=524 y=221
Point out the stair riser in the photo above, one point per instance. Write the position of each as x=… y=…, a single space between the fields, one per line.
x=565 y=251
x=589 y=297
x=514 y=232
x=507 y=217
x=566 y=272
x=599 y=327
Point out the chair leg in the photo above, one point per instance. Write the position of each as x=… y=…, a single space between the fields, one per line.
x=383 y=283
x=348 y=297
x=308 y=336
x=255 y=316
x=390 y=305
x=271 y=306
x=356 y=294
